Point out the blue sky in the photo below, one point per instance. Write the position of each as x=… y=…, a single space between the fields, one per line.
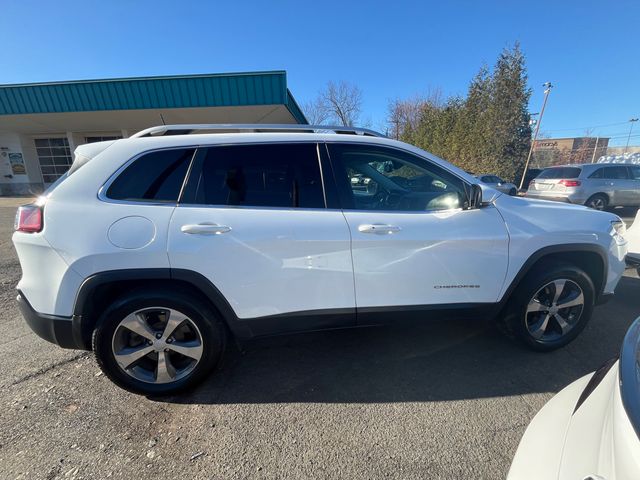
x=589 y=50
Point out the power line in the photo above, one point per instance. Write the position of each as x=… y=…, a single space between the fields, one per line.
x=592 y=127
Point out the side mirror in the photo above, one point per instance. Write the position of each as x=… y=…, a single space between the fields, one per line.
x=475 y=196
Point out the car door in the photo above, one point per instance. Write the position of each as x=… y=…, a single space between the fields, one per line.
x=634 y=184
x=617 y=184
x=253 y=220
x=414 y=242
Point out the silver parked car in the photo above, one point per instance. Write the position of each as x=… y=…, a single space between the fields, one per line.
x=496 y=182
x=596 y=185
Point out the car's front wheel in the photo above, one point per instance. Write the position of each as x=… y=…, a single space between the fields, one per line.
x=550 y=307
x=158 y=343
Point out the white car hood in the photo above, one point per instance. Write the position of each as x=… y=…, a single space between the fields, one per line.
x=596 y=439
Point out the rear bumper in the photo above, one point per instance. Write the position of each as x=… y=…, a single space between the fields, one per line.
x=553 y=198
x=54 y=329
x=577 y=198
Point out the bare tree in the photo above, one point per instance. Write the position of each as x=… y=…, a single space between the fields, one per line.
x=315 y=111
x=404 y=115
x=339 y=103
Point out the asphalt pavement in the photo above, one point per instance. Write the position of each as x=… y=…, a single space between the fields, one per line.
x=440 y=400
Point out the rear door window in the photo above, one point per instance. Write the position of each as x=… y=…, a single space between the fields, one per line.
x=599 y=173
x=155 y=176
x=616 y=173
x=266 y=175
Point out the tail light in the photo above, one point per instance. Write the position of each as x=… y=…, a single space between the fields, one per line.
x=28 y=219
x=570 y=183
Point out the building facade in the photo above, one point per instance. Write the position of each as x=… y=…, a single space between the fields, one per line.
x=41 y=124
x=561 y=151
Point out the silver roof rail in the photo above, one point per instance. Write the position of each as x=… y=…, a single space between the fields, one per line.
x=250 y=127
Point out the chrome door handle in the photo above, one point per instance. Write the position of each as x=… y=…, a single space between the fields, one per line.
x=205 y=229
x=379 y=228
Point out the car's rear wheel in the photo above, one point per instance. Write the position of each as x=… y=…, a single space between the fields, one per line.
x=599 y=201
x=550 y=307
x=158 y=343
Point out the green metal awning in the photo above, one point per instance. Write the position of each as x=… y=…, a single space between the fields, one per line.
x=185 y=91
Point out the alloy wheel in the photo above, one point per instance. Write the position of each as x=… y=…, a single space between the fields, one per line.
x=157 y=345
x=597 y=203
x=554 y=310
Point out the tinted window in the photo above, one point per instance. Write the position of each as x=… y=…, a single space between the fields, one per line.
x=276 y=175
x=377 y=178
x=616 y=172
x=560 y=172
x=599 y=173
x=155 y=176
x=635 y=172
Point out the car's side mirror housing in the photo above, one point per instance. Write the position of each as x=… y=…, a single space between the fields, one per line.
x=475 y=196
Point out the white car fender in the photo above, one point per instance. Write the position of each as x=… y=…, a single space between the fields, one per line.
x=633 y=237
x=546 y=433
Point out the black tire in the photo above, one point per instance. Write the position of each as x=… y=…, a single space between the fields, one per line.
x=208 y=323
x=513 y=192
x=599 y=201
x=516 y=322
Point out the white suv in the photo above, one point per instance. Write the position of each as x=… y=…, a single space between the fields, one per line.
x=156 y=249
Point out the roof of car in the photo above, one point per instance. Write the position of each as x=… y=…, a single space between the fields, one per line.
x=581 y=165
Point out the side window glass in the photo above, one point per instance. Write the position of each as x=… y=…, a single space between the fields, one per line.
x=267 y=175
x=377 y=178
x=635 y=172
x=597 y=174
x=616 y=173
x=155 y=176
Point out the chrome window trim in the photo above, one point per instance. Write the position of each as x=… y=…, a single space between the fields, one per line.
x=629 y=369
x=430 y=161
x=253 y=207
x=102 y=191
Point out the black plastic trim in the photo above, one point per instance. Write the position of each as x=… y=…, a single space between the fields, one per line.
x=412 y=313
x=52 y=328
x=562 y=248
x=594 y=381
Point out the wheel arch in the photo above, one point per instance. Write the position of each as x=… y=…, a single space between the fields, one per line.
x=590 y=257
x=603 y=194
x=97 y=290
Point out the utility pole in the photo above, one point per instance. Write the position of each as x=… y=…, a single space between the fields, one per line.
x=631 y=121
x=547 y=89
x=593 y=158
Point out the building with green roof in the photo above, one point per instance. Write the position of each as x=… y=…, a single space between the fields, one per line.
x=42 y=123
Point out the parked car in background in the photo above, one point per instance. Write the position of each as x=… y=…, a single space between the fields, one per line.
x=591 y=429
x=191 y=234
x=595 y=185
x=530 y=175
x=496 y=182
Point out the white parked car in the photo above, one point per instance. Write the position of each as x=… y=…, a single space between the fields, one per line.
x=154 y=249
x=633 y=238
x=591 y=429
x=499 y=184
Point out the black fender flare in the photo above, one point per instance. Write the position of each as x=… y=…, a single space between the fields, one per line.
x=81 y=321
x=555 y=249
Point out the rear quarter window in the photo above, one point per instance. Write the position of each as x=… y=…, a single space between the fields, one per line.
x=560 y=172
x=155 y=176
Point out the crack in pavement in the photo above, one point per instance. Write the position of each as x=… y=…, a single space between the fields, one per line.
x=48 y=368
